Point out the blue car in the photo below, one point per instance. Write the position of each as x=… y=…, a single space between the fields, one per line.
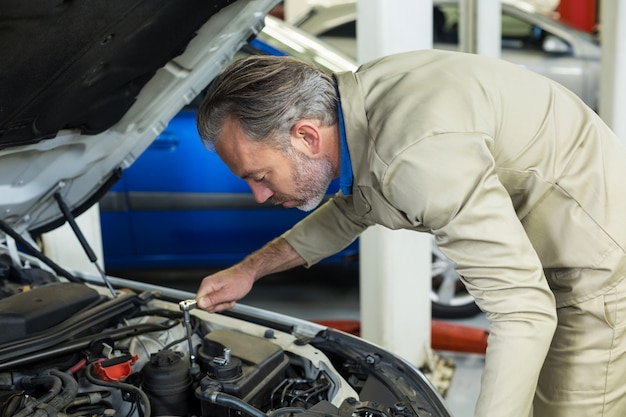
x=178 y=205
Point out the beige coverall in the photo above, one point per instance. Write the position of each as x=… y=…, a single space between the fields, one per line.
x=523 y=187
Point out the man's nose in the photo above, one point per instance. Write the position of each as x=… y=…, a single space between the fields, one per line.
x=260 y=192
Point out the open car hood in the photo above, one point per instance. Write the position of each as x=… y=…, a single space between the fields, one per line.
x=87 y=86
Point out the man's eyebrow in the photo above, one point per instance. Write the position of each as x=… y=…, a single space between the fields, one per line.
x=249 y=174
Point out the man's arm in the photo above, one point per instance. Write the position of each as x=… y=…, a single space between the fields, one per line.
x=326 y=231
x=220 y=291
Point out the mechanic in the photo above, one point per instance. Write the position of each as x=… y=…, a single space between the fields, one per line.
x=520 y=182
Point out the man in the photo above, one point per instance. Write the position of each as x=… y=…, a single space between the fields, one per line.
x=519 y=181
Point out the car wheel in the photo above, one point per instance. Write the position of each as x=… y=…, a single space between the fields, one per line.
x=449 y=297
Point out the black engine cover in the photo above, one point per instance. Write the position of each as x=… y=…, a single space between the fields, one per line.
x=32 y=311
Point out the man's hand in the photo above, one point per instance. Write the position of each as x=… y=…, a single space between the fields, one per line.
x=221 y=290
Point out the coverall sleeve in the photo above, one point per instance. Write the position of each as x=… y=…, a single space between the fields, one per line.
x=449 y=184
x=326 y=231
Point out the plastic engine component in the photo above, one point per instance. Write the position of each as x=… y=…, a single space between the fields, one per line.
x=256 y=364
x=27 y=313
x=167 y=381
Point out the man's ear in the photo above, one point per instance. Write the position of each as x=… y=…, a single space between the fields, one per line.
x=306 y=137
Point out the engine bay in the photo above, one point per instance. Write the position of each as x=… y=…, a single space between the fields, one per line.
x=74 y=349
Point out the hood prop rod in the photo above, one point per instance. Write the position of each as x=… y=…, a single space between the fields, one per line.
x=81 y=238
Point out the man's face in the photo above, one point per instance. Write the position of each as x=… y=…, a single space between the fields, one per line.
x=290 y=179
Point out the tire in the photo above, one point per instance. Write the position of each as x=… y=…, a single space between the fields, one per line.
x=449 y=297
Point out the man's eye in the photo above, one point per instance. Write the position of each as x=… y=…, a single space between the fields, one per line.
x=261 y=179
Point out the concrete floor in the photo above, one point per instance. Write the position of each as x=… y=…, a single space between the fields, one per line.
x=330 y=293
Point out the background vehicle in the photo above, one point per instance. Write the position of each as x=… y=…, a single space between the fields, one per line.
x=179 y=206
x=81 y=100
x=529 y=38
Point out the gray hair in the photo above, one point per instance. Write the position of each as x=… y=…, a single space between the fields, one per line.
x=267 y=95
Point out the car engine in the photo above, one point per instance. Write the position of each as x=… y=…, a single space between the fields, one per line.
x=73 y=349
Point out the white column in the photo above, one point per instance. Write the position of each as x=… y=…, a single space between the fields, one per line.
x=395 y=276
x=391 y=26
x=489 y=28
x=395 y=281
x=612 y=100
x=480 y=29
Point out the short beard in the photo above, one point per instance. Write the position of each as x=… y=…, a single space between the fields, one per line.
x=312 y=179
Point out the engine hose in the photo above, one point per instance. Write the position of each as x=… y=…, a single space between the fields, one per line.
x=227 y=400
x=147 y=410
x=68 y=394
x=285 y=410
x=34 y=381
x=58 y=402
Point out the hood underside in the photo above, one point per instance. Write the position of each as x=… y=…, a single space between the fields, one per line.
x=86 y=86
x=80 y=65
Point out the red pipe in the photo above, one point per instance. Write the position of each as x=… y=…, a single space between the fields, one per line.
x=444 y=335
